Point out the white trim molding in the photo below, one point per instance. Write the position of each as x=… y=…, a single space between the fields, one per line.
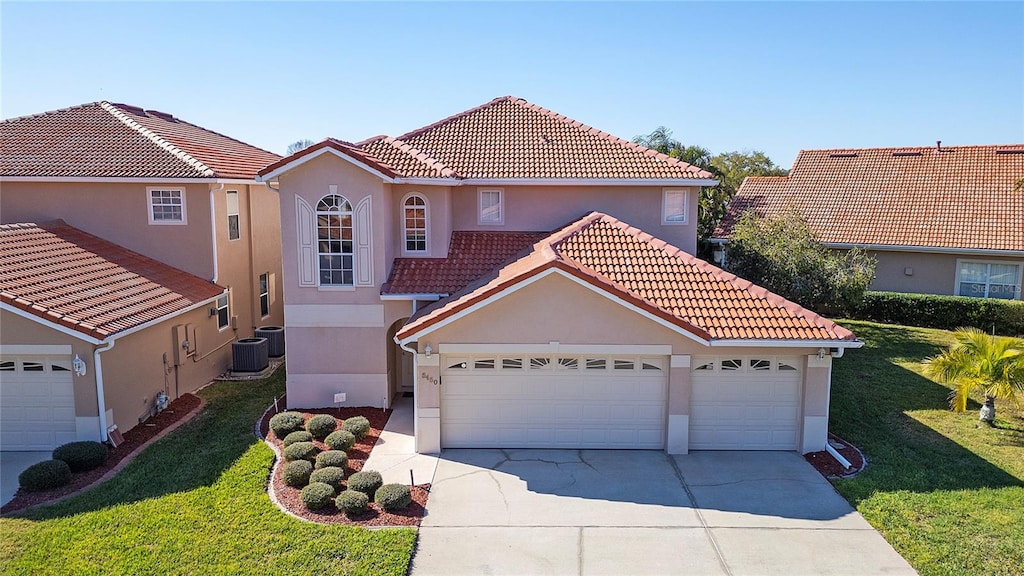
x=666 y=218
x=405 y=221
x=325 y=150
x=182 y=205
x=35 y=349
x=480 y=206
x=334 y=316
x=558 y=348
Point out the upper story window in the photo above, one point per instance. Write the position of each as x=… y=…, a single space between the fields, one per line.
x=988 y=279
x=334 y=241
x=492 y=208
x=414 y=223
x=166 y=205
x=673 y=206
x=264 y=294
x=223 y=314
x=233 y=232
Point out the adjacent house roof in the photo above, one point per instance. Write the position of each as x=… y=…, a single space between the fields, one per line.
x=509 y=138
x=953 y=197
x=663 y=280
x=105 y=140
x=76 y=280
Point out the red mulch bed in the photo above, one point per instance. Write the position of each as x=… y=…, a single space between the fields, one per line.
x=291 y=499
x=829 y=467
x=133 y=439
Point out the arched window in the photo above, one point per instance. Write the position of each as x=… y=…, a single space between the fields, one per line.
x=334 y=240
x=414 y=223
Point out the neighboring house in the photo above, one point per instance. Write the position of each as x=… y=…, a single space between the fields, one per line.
x=940 y=220
x=501 y=266
x=144 y=182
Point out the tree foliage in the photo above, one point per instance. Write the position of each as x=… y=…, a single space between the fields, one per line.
x=993 y=365
x=782 y=254
x=299 y=145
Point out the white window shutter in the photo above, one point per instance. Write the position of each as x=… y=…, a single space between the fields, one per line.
x=305 y=230
x=364 y=243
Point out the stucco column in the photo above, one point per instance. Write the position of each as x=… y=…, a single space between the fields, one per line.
x=678 y=436
x=817 y=385
x=427 y=378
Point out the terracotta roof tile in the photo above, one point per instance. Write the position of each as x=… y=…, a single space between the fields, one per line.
x=120 y=141
x=88 y=284
x=959 y=197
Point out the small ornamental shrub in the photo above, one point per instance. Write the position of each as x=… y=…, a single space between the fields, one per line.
x=301 y=451
x=297 y=473
x=367 y=482
x=330 y=475
x=321 y=425
x=393 y=496
x=82 y=456
x=45 y=475
x=317 y=495
x=285 y=423
x=335 y=458
x=359 y=426
x=991 y=315
x=341 y=440
x=352 y=502
x=298 y=436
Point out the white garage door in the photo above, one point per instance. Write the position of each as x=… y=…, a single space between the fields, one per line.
x=745 y=404
x=37 y=403
x=542 y=401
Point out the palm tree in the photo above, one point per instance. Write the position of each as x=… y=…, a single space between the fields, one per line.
x=993 y=365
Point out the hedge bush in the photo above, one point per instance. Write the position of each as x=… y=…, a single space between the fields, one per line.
x=359 y=426
x=341 y=440
x=367 y=482
x=321 y=425
x=82 y=456
x=1004 y=317
x=393 y=496
x=352 y=502
x=297 y=473
x=329 y=475
x=335 y=458
x=285 y=423
x=301 y=451
x=45 y=475
x=317 y=495
x=297 y=436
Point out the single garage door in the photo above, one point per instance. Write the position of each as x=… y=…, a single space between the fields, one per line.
x=37 y=403
x=540 y=401
x=745 y=403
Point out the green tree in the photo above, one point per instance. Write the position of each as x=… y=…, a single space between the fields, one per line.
x=299 y=145
x=734 y=167
x=993 y=365
x=782 y=254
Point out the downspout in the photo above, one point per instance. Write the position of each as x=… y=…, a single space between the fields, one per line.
x=213 y=227
x=254 y=303
x=101 y=402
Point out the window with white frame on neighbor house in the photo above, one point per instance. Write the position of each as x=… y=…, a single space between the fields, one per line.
x=673 y=207
x=223 y=314
x=166 y=205
x=414 y=222
x=335 y=250
x=264 y=294
x=491 y=206
x=233 y=232
x=982 y=279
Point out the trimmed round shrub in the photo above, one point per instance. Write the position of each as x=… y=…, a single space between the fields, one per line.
x=317 y=495
x=82 y=456
x=367 y=482
x=297 y=473
x=285 y=423
x=352 y=502
x=321 y=425
x=341 y=440
x=45 y=475
x=297 y=436
x=335 y=458
x=359 y=426
x=393 y=496
x=301 y=451
x=330 y=475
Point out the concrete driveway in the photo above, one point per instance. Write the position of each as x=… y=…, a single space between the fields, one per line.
x=11 y=465
x=641 y=512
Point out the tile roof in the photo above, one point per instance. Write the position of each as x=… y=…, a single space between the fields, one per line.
x=101 y=139
x=663 y=280
x=959 y=197
x=87 y=284
x=509 y=138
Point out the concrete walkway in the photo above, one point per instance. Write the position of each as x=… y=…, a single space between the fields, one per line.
x=11 y=465
x=394 y=454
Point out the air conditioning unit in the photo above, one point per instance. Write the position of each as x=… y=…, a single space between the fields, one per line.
x=275 y=339
x=249 y=355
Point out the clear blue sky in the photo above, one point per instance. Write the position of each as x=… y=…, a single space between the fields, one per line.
x=728 y=76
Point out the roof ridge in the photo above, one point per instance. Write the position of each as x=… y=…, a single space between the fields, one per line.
x=453 y=117
x=923 y=147
x=50 y=112
x=422 y=156
x=155 y=138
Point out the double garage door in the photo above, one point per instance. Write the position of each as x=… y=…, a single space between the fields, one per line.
x=37 y=403
x=600 y=401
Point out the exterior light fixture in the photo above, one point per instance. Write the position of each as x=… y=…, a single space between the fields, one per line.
x=78 y=365
x=428 y=350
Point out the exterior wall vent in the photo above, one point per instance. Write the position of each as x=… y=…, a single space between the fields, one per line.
x=249 y=355
x=907 y=153
x=275 y=339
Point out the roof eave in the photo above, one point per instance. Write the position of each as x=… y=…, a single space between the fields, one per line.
x=326 y=147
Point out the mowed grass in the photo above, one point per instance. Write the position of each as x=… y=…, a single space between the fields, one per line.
x=947 y=494
x=196 y=503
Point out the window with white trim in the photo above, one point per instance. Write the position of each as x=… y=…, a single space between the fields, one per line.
x=223 y=314
x=233 y=232
x=166 y=205
x=414 y=223
x=264 y=294
x=981 y=279
x=492 y=206
x=335 y=254
x=673 y=206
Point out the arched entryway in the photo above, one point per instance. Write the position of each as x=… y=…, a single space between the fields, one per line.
x=400 y=372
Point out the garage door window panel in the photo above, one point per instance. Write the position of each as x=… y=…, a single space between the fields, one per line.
x=511 y=363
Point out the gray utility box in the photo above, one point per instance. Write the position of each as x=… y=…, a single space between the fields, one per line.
x=275 y=339
x=249 y=355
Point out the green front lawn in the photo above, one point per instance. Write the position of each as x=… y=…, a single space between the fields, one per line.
x=947 y=494
x=196 y=503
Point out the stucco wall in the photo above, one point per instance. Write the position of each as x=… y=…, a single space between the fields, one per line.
x=929 y=274
x=439 y=225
